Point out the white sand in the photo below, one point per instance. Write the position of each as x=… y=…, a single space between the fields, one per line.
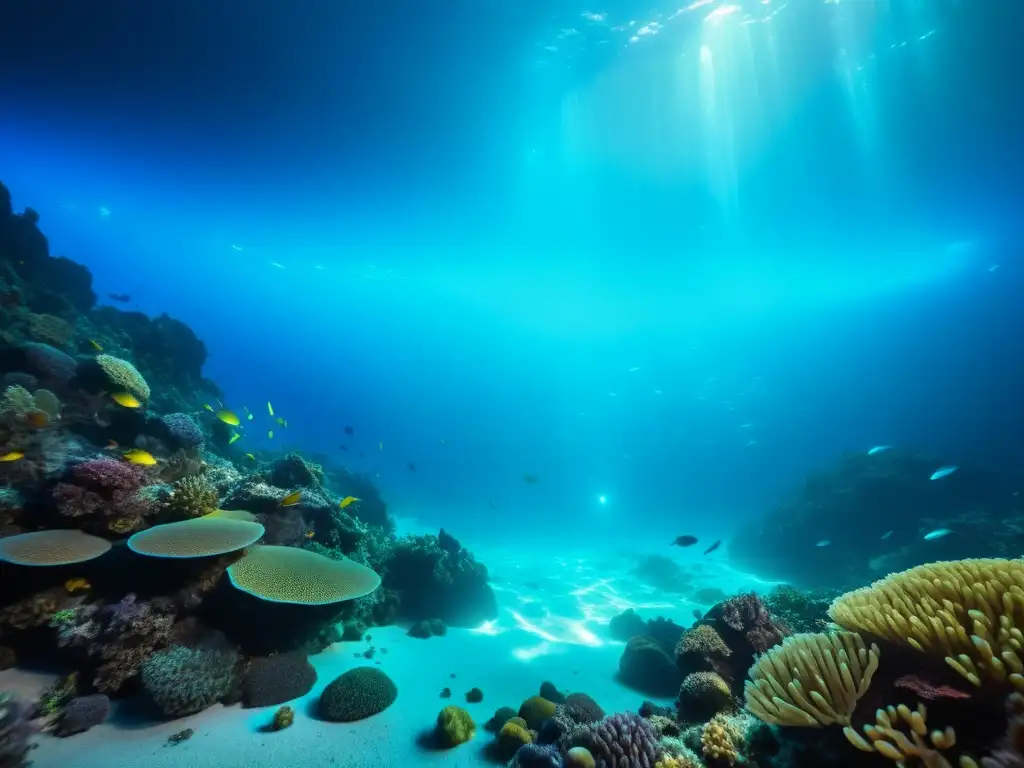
x=551 y=627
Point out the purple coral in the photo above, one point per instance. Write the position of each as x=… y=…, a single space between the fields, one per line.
x=183 y=430
x=749 y=615
x=624 y=739
x=537 y=756
x=108 y=475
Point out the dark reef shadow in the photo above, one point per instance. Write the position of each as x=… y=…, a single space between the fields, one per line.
x=429 y=741
x=654 y=693
x=492 y=753
x=134 y=713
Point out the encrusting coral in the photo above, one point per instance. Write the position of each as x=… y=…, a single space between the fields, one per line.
x=969 y=612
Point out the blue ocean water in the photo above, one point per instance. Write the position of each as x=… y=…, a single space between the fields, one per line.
x=669 y=257
x=579 y=279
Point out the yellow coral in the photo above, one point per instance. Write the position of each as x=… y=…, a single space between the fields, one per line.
x=124 y=375
x=811 y=680
x=535 y=710
x=718 y=741
x=900 y=744
x=512 y=736
x=193 y=496
x=969 y=611
x=290 y=575
x=455 y=726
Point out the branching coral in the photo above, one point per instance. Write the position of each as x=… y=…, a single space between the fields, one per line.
x=811 y=680
x=912 y=741
x=968 y=611
x=720 y=741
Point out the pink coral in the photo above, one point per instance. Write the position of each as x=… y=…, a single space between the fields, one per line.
x=927 y=690
x=108 y=475
x=747 y=614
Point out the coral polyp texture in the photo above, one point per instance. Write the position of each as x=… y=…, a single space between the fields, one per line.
x=52 y=548
x=289 y=575
x=811 y=680
x=969 y=612
x=124 y=375
x=356 y=695
x=199 y=537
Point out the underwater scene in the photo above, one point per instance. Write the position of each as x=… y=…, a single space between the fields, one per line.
x=543 y=384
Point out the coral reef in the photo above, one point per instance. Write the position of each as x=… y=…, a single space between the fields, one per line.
x=83 y=713
x=647 y=668
x=455 y=726
x=16 y=731
x=864 y=497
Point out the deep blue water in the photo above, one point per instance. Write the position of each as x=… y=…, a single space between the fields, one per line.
x=806 y=239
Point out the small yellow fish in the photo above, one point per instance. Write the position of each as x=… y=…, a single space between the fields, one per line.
x=282 y=422
x=228 y=417
x=381 y=444
x=250 y=456
x=270 y=434
x=208 y=407
x=95 y=345
x=77 y=585
x=291 y=499
x=139 y=456
x=346 y=501
x=12 y=456
x=126 y=399
x=270 y=408
x=234 y=437
x=310 y=534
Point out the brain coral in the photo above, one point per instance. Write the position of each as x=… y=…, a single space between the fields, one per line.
x=182 y=681
x=49 y=362
x=198 y=537
x=535 y=710
x=455 y=726
x=277 y=679
x=702 y=695
x=289 y=575
x=59 y=547
x=125 y=375
x=357 y=694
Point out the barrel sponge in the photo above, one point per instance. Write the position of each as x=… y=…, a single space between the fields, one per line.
x=290 y=575
x=969 y=612
x=811 y=680
x=198 y=537
x=357 y=694
x=124 y=375
x=57 y=547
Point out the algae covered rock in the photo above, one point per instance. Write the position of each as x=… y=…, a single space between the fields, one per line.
x=356 y=695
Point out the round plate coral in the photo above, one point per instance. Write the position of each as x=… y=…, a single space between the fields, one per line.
x=199 y=537
x=60 y=547
x=290 y=575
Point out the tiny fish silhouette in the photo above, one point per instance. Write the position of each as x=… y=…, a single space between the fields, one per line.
x=348 y=430
x=124 y=298
x=684 y=541
x=713 y=547
x=411 y=466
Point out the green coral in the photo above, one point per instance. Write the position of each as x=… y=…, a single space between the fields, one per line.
x=63 y=617
x=124 y=375
x=55 y=699
x=455 y=726
x=192 y=496
x=535 y=710
x=357 y=694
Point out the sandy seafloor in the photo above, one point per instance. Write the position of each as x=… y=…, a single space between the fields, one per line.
x=552 y=626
